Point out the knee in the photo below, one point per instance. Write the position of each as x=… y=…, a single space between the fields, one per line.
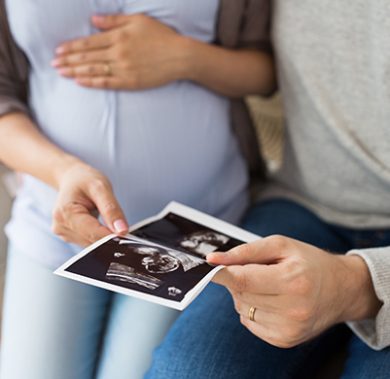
x=186 y=350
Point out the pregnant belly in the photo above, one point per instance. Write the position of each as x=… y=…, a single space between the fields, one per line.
x=172 y=143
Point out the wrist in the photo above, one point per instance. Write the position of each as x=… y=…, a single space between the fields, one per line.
x=359 y=298
x=62 y=167
x=188 y=61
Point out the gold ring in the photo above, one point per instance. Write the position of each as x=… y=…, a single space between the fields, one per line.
x=251 y=313
x=107 y=69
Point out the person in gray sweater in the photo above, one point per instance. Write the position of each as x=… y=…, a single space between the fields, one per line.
x=332 y=195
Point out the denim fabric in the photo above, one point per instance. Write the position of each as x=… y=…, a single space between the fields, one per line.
x=208 y=341
x=366 y=363
x=53 y=328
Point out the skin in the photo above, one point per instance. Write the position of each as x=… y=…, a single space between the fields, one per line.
x=298 y=290
x=143 y=53
x=82 y=190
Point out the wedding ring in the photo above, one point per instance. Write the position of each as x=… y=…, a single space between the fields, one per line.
x=251 y=313
x=107 y=69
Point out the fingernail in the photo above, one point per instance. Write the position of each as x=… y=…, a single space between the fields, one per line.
x=60 y=50
x=98 y=18
x=64 y=71
x=81 y=82
x=56 y=63
x=120 y=226
x=212 y=256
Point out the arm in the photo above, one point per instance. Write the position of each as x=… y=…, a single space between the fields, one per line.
x=230 y=72
x=375 y=331
x=143 y=53
x=81 y=189
x=44 y=160
x=311 y=289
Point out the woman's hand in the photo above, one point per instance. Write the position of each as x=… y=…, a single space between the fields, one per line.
x=132 y=52
x=83 y=193
x=287 y=292
x=135 y=52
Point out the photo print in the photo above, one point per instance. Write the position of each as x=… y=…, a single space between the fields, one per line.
x=162 y=259
x=181 y=233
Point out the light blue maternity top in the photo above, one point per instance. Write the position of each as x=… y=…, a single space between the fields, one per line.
x=158 y=145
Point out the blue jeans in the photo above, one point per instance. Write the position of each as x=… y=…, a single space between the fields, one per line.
x=208 y=341
x=55 y=328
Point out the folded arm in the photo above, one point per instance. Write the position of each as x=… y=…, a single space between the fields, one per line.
x=137 y=52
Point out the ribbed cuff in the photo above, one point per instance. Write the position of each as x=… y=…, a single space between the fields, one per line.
x=376 y=332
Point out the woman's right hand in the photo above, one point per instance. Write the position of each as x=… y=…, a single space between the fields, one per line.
x=84 y=193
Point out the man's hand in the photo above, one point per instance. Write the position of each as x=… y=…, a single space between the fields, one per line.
x=84 y=193
x=131 y=52
x=297 y=289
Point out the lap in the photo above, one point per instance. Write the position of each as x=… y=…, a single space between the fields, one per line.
x=209 y=342
x=134 y=329
x=293 y=220
x=208 y=339
x=51 y=325
x=364 y=362
x=58 y=328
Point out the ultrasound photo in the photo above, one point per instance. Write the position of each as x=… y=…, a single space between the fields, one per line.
x=186 y=235
x=142 y=266
x=162 y=259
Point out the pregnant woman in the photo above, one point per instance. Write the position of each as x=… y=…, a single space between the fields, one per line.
x=131 y=114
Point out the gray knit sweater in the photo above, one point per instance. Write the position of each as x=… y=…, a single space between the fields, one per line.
x=334 y=70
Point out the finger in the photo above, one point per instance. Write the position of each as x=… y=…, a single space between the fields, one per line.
x=110 y=21
x=267 y=303
x=103 y=197
x=76 y=59
x=70 y=237
x=102 y=82
x=85 y=229
x=252 y=278
x=258 y=314
x=94 y=42
x=265 y=251
x=88 y=70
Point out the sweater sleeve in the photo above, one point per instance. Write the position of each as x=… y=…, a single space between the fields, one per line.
x=376 y=332
x=13 y=71
x=245 y=24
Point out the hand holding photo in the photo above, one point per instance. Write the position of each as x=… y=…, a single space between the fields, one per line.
x=162 y=259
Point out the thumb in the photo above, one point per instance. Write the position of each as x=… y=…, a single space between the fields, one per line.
x=110 y=21
x=264 y=251
x=110 y=210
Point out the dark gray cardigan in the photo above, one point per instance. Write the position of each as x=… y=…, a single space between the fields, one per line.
x=242 y=23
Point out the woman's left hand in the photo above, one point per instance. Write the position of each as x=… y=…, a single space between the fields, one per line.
x=132 y=52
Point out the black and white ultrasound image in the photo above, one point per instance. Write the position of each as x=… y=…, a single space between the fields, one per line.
x=166 y=258
x=144 y=267
x=182 y=234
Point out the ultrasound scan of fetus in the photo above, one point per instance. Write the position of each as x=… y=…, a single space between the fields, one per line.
x=161 y=261
x=204 y=243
